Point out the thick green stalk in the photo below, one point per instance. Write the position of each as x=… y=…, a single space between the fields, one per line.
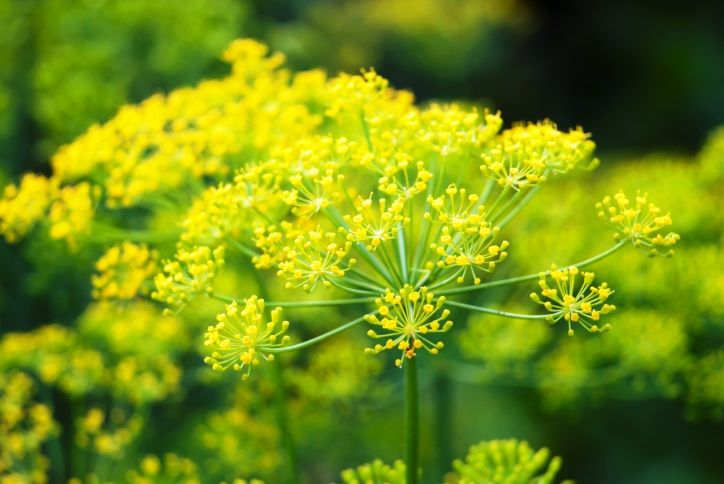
x=280 y=400
x=282 y=415
x=443 y=427
x=412 y=423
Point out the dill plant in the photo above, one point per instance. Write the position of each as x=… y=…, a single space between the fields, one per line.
x=344 y=188
x=398 y=208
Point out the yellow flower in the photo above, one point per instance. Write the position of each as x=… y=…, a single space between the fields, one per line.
x=450 y=129
x=123 y=270
x=407 y=318
x=72 y=212
x=241 y=336
x=522 y=156
x=21 y=207
x=25 y=426
x=375 y=223
x=640 y=222
x=575 y=304
x=316 y=256
x=192 y=273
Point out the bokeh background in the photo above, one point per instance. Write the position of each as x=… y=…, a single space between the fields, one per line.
x=646 y=78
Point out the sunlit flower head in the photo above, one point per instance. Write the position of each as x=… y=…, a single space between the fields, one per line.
x=505 y=461
x=376 y=471
x=524 y=155
x=242 y=336
x=406 y=319
x=640 y=222
x=576 y=304
x=192 y=273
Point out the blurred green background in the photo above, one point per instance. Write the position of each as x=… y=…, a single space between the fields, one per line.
x=643 y=77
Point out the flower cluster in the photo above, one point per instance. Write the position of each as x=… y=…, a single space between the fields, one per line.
x=385 y=206
x=640 y=222
x=172 y=468
x=524 y=155
x=191 y=274
x=407 y=318
x=107 y=433
x=158 y=152
x=376 y=471
x=339 y=182
x=315 y=257
x=123 y=271
x=241 y=336
x=499 y=461
x=25 y=426
x=22 y=206
x=578 y=304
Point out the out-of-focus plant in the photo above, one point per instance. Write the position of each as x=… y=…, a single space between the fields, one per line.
x=417 y=37
x=68 y=64
x=25 y=427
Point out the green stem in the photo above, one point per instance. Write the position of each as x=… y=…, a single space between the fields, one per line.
x=526 y=199
x=282 y=416
x=280 y=403
x=412 y=423
x=316 y=339
x=354 y=290
x=497 y=312
x=443 y=427
x=511 y=201
x=301 y=304
x=361 y=248
x=250 y=253
x=531 y=277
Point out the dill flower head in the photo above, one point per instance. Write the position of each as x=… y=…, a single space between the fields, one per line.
x=24 y=427
x=505 y=461
x=21 y=207
x=107 y=433
x=192 y=273
x=241 y=336
x=123 y=270
x=72 y=212
x=376 y=472
x=172 y=468
x=524 y=155
x=577 y=304
x=314 y=258
x=640 y=222
x=406 y=319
